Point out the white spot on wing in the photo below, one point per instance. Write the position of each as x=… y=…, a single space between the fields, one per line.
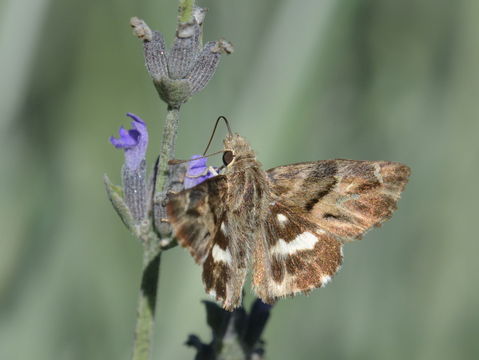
x=221 y=255
x=282 y=219
x=325 y=279
x=223 y=228
x=283 y=288
x=349 y=187
x=212 y=293
x=304 y=241
x=377 y=173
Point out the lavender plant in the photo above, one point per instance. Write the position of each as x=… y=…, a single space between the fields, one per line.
x=140 y=202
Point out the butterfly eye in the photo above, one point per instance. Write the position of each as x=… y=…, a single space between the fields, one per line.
x=228 y=157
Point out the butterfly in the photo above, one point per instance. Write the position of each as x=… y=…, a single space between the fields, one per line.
x=287 y=224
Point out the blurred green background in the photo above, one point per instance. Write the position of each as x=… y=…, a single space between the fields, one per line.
x=310 y=79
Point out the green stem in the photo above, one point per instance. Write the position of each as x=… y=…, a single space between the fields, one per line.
x=146 y=306
x=185 y=10
x=142 y=347
x=167 y=151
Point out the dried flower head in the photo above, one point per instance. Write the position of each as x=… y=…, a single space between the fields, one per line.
x=187 y=67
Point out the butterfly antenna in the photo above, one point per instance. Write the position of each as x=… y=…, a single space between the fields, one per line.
x=214 y=129
x=176 y=162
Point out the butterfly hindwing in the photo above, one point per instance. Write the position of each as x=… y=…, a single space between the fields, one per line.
x=344 y=197
x=294 y=255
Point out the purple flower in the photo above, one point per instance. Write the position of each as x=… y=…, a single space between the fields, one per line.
x=197 y=172
x=134 y=142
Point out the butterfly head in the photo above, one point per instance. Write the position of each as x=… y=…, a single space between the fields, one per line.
x=237 y=152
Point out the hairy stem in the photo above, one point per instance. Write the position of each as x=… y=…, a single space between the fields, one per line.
x=146 y=306
x=167 y=147
x=142 y=347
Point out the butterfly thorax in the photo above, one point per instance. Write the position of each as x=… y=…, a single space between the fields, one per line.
x=248 y=194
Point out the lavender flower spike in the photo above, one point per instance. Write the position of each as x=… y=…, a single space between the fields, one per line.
x=134 y=142
x=198 y=171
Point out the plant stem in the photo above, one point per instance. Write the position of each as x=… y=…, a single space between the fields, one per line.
x=146 y=306
x=185 y=10
x=167 y=147
x=142 y=347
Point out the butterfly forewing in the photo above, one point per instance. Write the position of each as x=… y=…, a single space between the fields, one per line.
x=199 y=219
x=224 y=270
x=217 y=266
x=194 y=215
x=344 y=197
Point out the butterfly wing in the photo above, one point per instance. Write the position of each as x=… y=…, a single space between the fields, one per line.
x=198 y=217
x=343 y=197
x=317 y=207
x=294 y=255
x=194 y=215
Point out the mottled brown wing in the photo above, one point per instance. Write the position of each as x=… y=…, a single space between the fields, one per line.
x=224 y=270
x=343 y=197
x=195 y=213
x=293 y=256
x=199 y=222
